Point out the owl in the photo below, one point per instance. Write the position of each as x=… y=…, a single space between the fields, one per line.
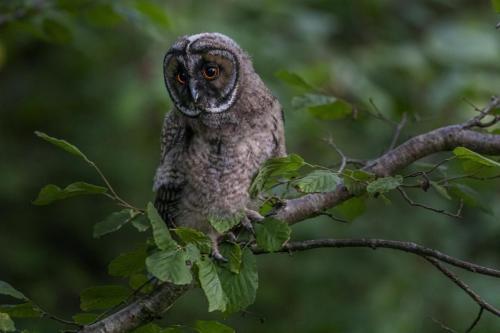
x=224 y=124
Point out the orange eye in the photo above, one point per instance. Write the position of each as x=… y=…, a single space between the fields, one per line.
x=181 y=78
x=210 y=72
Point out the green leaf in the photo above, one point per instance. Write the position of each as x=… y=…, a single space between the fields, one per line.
x=469 y=196
x=103 y=297
x=272 y=234
x=441 y=190
x=85 y=318
x=240 y=289
x=140 y=222
x=63 y=144
x=56 y=32
x=6 y=324
x=356 y=180
x=203 y=326
x=127 y=264
x=112 y=223
x=283 y=167
x=169 y=265
x=496 y=5
x=306 y=101
x=211 y=284
x=331 y=111
x=137 y=281
x=318 y=181
x=103 y=15
x=385 y=184
x=23 y=310
x=293 y=80
x=352 y=208
x=234 y=258
x=225 y=223
x=51 y=193
x=7 y=289
x=467 y=154
x=192 y=253
x=155 y=13
x=192 y=236
x=161 y=235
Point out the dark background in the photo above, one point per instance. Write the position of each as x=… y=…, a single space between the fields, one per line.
x=91 y=72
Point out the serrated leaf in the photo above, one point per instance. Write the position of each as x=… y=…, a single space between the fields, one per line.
x=6 y=324
x=50 y=193
x=192 y=252
x=203 y=326
x=293 y=80
x=234 y=258
x=282 y=167
x=169 y=265
x=112 y=223
x=385 y=184
x=211 y=285
x=23 y=310
x=352 y=208
x=318 y=181
x=224 y=223
x=103 y=297
x=55 y=31
x=331 y=111
x=155 y=13
x=272 y=234
x=85 y=318
x=63 y=144
x=240 y=289
x=161 y=235
x=141 y=222
x=7 y=289
x=467 y=154
x=440 y=189
x=128 y=263
x=356 y=180
x=196 y=237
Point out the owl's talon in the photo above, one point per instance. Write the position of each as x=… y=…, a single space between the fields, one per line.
x=253 y=215
x=247 y=225
x=215 y=249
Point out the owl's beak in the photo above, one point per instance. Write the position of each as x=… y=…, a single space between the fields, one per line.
x=194 y=93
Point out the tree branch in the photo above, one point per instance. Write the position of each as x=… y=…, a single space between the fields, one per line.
x=442 y=139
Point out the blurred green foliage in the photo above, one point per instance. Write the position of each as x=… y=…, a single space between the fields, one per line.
x=91 y=72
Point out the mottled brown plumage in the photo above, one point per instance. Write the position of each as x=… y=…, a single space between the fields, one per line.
x=218 y=134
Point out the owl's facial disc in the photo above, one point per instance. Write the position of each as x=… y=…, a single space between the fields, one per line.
x=201 y=74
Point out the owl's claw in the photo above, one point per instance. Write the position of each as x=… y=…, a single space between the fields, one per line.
x=215 y=249
x=251 y=216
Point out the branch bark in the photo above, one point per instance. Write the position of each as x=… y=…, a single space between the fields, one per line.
x=442 y=139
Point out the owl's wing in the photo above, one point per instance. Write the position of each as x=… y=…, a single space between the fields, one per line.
x=169 y=180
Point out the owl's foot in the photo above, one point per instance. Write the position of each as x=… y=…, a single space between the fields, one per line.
x=215 y=248
x=251 y=216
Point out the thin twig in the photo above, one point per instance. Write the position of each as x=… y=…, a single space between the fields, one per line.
x=333 y=217
x=436 y=210
x=464 y=287
x=343 y=158
x=397 y=132
x=432 y=169
x=478 y=318
x=443 y=326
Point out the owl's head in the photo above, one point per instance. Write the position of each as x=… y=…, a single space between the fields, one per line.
x=202 y=73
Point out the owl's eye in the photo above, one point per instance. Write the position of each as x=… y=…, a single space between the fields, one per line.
x=181 y=78
x=210 y=72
